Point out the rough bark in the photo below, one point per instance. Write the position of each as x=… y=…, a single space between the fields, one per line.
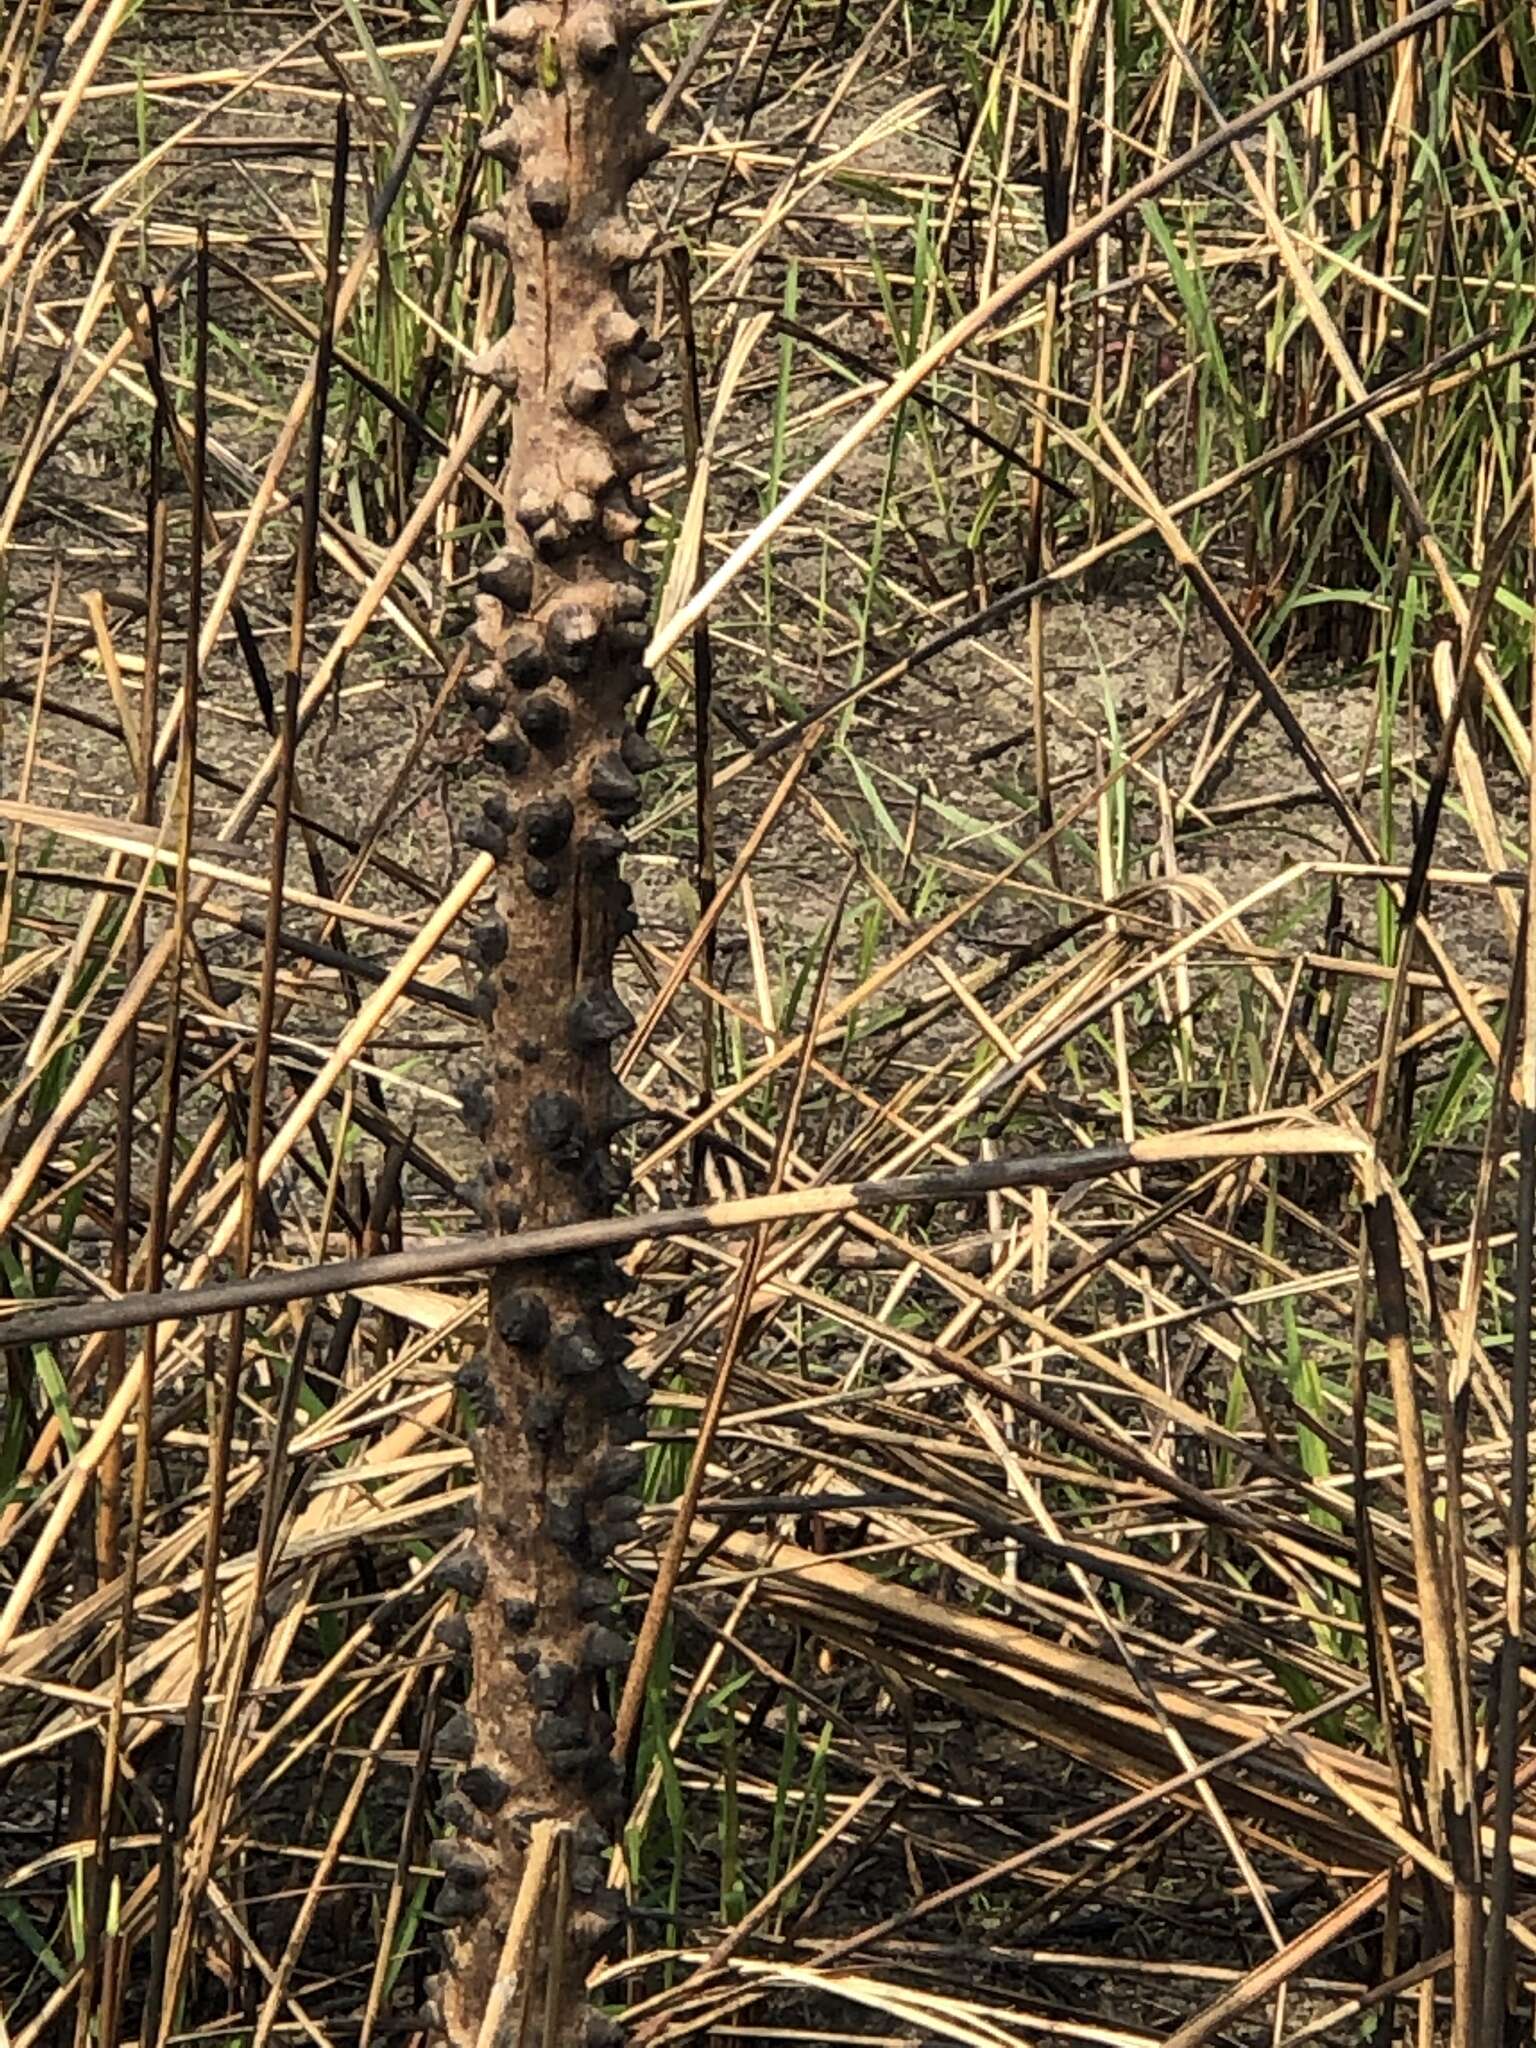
x=560 y=630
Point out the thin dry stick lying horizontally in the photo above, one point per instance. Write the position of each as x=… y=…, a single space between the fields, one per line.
x=482 y=1254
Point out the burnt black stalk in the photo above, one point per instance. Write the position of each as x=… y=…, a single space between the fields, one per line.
x=559 y=637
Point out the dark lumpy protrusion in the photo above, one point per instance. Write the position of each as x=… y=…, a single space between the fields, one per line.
x=602 y=848
x=618 y=331
x=613 y=788
x=620 y=1111
x=535 y=506
x=455 y=1811
x=545 y=720
x=605 y=1180
x=620 y=525
x=596 y=1593
x=565 y=1519
x=505 y=747
x=517 y=29
x=586 y=390
x=549 y=204
x=624 y=1391
x=597 y=41
x=600 y=1277
x=457 y=1903
x=616 y=1523
x=650 y=148
x=591 y=1766
x=509 y=579
x=557 y=1733
x=557 y=1127
x=462 y=1864
x=551 y=1683
x=504 y=143
x=604 y=1649
x=488 y=943
x=572 y=637
x=518 y=1614
x=522 y=1319
x=548 y=824
x=618 y=1470
x=485 y=1788
x=463 y=1573
x=485 y=837
x=524 y=659
x=598 y=1018
x=490 y=230
x=575 y=1354
x=475 y=1105
x=640 y=754
x=474 y=1381
x=451 y=1633
x=629 y=636
x=543 y=1418
x=480 y=691
x=456 y=1738
x=640 y=377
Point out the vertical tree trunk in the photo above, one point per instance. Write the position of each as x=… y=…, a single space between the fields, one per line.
x=561 y=628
